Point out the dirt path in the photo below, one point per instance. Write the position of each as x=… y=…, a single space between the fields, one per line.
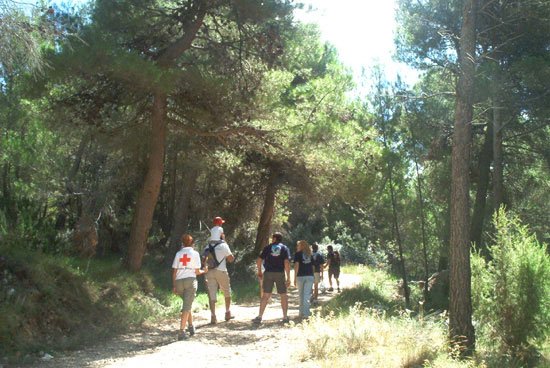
x=237 y=343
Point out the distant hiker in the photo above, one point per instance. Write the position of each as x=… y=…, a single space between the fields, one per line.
x=333 y=263
x=276 y=261
x=216 y=233
x=318 y=268
x=216 y=255
x=185 y=269
x=303 y=273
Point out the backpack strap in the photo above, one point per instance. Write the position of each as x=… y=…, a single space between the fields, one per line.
x=212 y=250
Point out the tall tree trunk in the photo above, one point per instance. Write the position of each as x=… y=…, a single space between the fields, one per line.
x=484 y=168
x=148 y=195
x=406 y=290
x=264 y=226
x=461 y=330
x=182 y=210
x=498 y=176
x=422 y=227
x=422 y=218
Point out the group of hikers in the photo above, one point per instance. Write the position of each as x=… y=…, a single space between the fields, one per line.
x=273 y=265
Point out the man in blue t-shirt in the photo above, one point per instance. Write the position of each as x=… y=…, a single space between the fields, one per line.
x=276 y=261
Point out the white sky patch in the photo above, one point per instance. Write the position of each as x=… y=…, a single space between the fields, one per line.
x=363 y=33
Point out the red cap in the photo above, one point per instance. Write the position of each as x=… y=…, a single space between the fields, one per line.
x=218 y=221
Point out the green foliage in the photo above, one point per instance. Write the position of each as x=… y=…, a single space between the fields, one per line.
x=58 y=303
x=511 y=292
x=376 y=291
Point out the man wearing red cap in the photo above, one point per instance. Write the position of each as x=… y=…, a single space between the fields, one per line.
x=218 y=277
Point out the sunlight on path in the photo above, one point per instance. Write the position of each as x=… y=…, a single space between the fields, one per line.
x=238 y=343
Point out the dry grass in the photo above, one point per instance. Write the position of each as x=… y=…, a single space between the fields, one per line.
x=368 y=338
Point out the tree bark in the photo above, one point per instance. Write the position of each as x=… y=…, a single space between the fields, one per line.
x=148 y=195
x=406 y=290
x=264 y=226
x=461 y=330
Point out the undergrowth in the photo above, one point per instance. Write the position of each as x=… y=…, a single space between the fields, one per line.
x=53 y=303
x=368 y=326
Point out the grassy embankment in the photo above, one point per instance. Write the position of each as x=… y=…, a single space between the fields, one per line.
x=55 y=303
x=367 y=326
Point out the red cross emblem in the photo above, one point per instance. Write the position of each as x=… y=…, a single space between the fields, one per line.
x=185 y=259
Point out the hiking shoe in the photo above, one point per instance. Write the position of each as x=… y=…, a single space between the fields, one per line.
x=338 y=289
x=191 y=330
x=228 y=316
x=182 y=335
x=257 y=320
x=285 y=320
x=330 y=289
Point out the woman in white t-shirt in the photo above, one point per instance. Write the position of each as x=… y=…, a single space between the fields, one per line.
x=185 y=269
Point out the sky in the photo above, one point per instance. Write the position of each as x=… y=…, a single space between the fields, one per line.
x=363 y=33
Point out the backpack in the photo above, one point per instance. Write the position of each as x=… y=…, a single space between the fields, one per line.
x=210 y=255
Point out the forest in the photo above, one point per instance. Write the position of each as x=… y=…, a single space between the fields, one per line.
x=125 y=124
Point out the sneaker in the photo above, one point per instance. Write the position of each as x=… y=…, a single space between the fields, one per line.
x=191 y=330
x=228 y=316
x=285 y=320
x=213 y=319
x=257 y=320
x=182 y=335
x=330 y=289
x=338 y=289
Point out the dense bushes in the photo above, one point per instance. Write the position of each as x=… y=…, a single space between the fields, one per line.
x=511 y=292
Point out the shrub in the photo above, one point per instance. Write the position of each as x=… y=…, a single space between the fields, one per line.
x=511 y=292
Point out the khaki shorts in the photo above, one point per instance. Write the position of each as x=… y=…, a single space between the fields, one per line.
x=215 y=278
x=186 y=288
x=317 y=277
x=277 y=278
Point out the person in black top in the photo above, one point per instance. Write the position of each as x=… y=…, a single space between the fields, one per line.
x=303 y=273
x=333 y=263
x=276 y=261
x=318 y=268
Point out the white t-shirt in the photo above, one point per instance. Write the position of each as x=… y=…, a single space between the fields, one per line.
x=222 y=251
x=216 y=233
x=186 y=261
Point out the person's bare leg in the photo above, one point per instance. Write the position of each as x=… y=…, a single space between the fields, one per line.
x=212 y=304
x=184 y=317
x=263 y=303
x=284 y=304
x=227 y=304
x=315 y=290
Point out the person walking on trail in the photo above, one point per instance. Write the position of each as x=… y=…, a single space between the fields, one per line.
x=318 y=268
x=276 y=261
x=185 y=269
x=216 y=255
x=333 y=263
x=303 y=274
